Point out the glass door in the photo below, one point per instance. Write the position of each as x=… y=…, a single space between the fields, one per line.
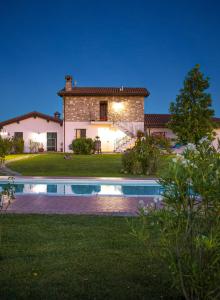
x=51 y=141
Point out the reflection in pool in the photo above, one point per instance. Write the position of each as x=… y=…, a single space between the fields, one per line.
x=99 y=188
x=85 y=189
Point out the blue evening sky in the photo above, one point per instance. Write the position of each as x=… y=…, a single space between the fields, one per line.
x=149 y=43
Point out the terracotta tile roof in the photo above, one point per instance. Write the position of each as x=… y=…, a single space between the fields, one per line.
x=156 y=120
x=104 y=91
x=161 y=120
x=32 y=114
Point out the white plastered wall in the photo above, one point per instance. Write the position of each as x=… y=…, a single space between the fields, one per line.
x=35 y=129
x=170 y=134
x=217 y=136
x=108 y=133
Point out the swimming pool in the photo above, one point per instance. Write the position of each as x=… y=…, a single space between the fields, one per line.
x=82 y=187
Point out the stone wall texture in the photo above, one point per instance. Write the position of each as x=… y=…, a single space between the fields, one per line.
x=87 y=108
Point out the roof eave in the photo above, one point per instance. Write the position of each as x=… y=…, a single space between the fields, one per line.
x=30 y=115
x=64 y=93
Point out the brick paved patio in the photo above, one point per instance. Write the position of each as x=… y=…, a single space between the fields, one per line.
x=43 y=204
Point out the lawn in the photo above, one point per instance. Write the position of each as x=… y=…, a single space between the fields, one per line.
x=76 y=257
x=17 y=156
x=106 y=165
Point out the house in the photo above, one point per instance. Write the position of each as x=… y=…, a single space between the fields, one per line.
x=112 y=114
x=156 y=124
x=36 y=127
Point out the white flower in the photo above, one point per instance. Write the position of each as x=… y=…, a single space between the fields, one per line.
x=174 y=160
x=157 y=199
x=146 y=210
x=191 y=147
x=185 y=162
x=194 y=166
x=189 y=181
x=141 y=204
x=204 y=139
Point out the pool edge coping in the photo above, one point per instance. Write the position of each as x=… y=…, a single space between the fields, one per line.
x=62 y=179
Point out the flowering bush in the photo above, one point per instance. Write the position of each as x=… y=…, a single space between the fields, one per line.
x=187 y=227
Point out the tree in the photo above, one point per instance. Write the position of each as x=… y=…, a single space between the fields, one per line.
x=191 y=114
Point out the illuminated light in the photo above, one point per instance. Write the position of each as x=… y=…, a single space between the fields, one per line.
x=4 y=133
x=118 y=106
x=108 y=137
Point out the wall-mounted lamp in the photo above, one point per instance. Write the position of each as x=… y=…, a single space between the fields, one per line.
x=118 y=106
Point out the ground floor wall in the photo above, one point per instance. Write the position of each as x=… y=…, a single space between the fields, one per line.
x=108 y=132
x=35 y=130
x=217 y=137
x=168 y=133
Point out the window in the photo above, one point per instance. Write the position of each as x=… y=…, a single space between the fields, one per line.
x=103 y=111
x=80 y=133
x=51 y=141
x=18 y=135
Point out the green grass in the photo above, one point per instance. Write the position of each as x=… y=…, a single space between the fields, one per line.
x=17 y=156
x=76 y=257
x=106 y=165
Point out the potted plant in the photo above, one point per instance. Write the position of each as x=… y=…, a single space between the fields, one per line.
x=41 y=148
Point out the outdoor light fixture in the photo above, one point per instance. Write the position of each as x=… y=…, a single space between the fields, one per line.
x=118 y=106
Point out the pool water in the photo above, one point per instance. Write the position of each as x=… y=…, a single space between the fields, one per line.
x=86 y=189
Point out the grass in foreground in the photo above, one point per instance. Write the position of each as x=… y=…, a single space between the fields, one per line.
x=106 y=165
x=76 y=257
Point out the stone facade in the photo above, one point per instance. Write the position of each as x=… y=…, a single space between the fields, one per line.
x=87 y=108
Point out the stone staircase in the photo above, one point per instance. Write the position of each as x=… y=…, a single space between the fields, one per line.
x=126 y=128
x=124 y=143
x=127 y=141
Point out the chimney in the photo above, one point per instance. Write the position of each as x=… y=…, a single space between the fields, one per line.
x=68 y=86
x=57 y=115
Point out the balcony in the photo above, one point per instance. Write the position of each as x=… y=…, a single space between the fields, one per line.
x=100 y=121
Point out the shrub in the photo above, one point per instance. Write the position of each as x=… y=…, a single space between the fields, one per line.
x=82 y=146
x=187 y=228
x=18 y=145
x=144 y=157
x=5 y=147
x=130 y=163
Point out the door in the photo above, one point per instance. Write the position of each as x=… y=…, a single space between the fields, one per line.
x=103 y=111
x=51 y=141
